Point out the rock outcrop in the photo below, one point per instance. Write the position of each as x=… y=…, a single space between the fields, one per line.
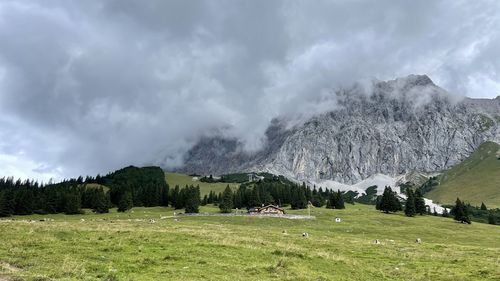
x=398 y=126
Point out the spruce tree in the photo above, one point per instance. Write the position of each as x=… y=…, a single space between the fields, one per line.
x=180 y=201
x=101 y=204
x=445 y=213
x=332 y=201
x=254 y=198
x=4 y=208
x=491 y=218
x=266 y=197
x=174 y=197
x=318 y=200
x=461 y=212
x=73 y=204
x=192 y=199
x=389 y=201
x=125 y=202
x=420 y=207
x=483 y=207
x=165 y=195
x=410 y=204
x=340 y=201
x=204 y=200
x=300 y=201
x=226 y=202
x=378 y=202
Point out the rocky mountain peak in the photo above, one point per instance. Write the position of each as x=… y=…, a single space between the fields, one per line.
x=402 y=125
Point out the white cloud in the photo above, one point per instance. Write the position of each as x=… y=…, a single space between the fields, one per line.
x=93 y=86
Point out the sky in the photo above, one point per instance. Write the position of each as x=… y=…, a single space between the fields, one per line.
x=88 y=87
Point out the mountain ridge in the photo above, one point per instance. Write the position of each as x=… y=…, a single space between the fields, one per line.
x=394 y=127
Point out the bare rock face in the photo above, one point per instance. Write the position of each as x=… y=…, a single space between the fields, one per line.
x=399 y=126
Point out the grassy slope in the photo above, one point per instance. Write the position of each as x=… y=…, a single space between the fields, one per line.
x=95 y=185
x=128 y=247
x=475 y=180
x=183 y=180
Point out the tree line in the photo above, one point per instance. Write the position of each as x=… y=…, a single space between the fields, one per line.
x=414 y=204
x=276 y=191
x=124 y=189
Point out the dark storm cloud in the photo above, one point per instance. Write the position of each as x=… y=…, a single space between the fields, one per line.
x=90 y=86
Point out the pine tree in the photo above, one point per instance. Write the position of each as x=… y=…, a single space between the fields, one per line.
x=410 y=204
x=226 y=202
x=254 y=198
x=299 y=200
x=340 y=201
x=101 y=204
x=445 y=213
x=332 y=201
x=491 y=218
x=460 y=212
x=318 y=200
x=125 y=202
x=266 y=197
x=165 y=190
x=204 y=201
x=420 y=207
x=4 y=208
x=174 y=197
x=73 y=204
x=192 y=199
x=483 y=207
x=378 y=202
x=389 y=201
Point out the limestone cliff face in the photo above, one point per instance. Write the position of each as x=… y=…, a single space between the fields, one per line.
x=399 y=126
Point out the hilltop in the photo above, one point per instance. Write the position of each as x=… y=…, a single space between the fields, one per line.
x=475 y=180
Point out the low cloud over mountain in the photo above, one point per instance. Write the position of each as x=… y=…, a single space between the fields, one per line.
x=90 y=86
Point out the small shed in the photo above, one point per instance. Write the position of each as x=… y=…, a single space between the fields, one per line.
x=267 y=210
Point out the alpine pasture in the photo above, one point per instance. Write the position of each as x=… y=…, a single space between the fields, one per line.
x=152 y=244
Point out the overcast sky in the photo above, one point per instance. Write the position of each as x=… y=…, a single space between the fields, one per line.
x=87 y=87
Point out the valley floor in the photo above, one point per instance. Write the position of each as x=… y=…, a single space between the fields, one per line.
x=129 y=246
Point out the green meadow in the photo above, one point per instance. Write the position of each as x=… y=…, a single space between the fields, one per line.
x=129 y=246
x=475 y=180
x=182 y=180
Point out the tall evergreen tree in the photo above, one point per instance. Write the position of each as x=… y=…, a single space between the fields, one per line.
x=165 y=190
x=226 y=202
x=73 y=204
x=254 y=199
x=483 y=207
x=204 y=201
x=340 y=201
x=266 y=197
x=299 y=200
x=101 y=203
x=332 y=201
x=318 y=200
x=445 y=213
x=7 y=203
x=460 y=212
x=410 y=210
x=125 y=202
x=174 y=197
x=389 y=201
x=4 y=209
x=491 y=218
x=192 y=199
x=420 y=207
